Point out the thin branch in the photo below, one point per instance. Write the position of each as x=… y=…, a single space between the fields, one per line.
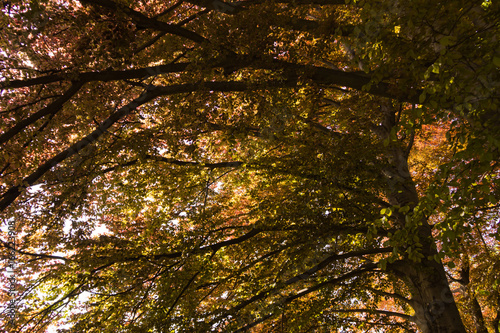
x=37 y=255
x=204 y=249
x=243 y=269
x=383 y=312
x=333 y=258
x=168 y=10
x=57 y=304
x=172 y=161
x=239 y=6
x=103 y=76
x=181 y=293
x=191 y=18
x=142 y=20
x=28 y=104
x=392 y=295
x=218 y=5
x=410 y=143
x=291 y=298
x=52 y=108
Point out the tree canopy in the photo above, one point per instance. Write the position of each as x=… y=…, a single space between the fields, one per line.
x=261 y=166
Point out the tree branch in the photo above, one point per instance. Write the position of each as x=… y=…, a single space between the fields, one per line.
x=384 y=312
x=104 y=76
x=216 y=165
x=319 y=75
x=291 y=298
x=333 y=258
x=52 y=108
x=239 y=6
x=146 y=22
x=218 y=5
x=392 y=295
x=293 y=72
x=37 y=255
x=204 y=249
x=151 y=93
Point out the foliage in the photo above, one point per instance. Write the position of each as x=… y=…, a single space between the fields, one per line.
x=265 y=166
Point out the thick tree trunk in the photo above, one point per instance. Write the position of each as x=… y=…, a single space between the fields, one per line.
x=434 y=305
x=435 y=308
x=432 y=300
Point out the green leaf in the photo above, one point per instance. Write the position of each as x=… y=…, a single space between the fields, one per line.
x=383 y=264
x=496 y=61
x=422 y=98
x=447 y=41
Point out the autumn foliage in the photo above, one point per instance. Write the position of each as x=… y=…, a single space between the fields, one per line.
x=261 y=166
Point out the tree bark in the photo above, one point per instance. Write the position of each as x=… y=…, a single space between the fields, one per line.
x=473 y=304
x=477 y=315
x=432 y=300
x=496 y=321
x=434 y=305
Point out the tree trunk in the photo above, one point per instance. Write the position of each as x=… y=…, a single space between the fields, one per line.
x=477 y=315
x=434 y=305
x=432 y=300
x=496 y=321
x=473 y=304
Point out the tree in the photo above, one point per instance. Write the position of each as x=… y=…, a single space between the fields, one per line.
x=306 y=165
